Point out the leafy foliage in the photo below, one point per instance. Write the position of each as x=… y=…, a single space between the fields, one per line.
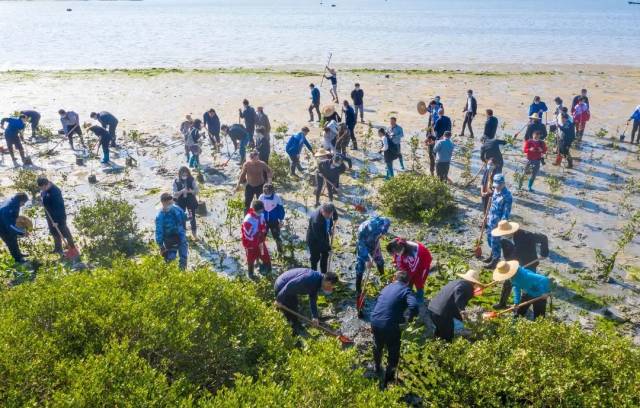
x=542 y=364
x=24 y=180
x=416 y=197
x=108 y=228
x=280 y=167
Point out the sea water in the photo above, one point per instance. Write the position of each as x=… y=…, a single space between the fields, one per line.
x=278 y=33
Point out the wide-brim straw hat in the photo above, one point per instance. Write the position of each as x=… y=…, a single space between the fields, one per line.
x=422 y=108
x=328 y=110
x=24 y=223
x=322 y=153
x=505 y=270
x=505 y=228
x=471 y=276
x=534 y=116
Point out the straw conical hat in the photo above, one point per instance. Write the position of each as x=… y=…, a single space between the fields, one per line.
x=534 y=116
x=328 y=110
x=505 y=228
x=422 y=108
x=322 y=153
x=471 y=276
x=505 y=270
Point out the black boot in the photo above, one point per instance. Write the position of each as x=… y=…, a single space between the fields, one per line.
x=504 y=296
x=250 y=271
x=488 y=259
x=492 y=264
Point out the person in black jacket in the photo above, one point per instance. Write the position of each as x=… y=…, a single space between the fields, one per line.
x=443 y=124
x=357 y=96
x=104 y=140
x=522 y=246
x=490 y=150
x=490 y=126
x=450 y=301
x=535 y=126
x=211 y=122
x=263 y=143
x=249 y=115
x=56 y=214
x=319 y=233
x=185 y=194
x=329 y=171
x=9 y=231
x=34 y=120
x=470 y=109
x=387 y=316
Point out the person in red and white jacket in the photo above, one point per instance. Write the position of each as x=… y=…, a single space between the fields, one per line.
x=535 y=150
x=254 y=236
x=413 y=258
x=581 y=115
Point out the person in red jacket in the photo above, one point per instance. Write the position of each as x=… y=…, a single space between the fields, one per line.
x=581 y=116
x=535 y=149
x=413 y=258
x=254 y=236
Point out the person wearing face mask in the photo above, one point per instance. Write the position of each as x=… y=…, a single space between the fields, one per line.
x=357 y=96
x=302 y=281
x=350 y=119
x=254 y=237
x=501 y=202
x=329 y=171
x=170 y=232
x=388 y=314
x=185 y=194
x=535 y=150
x=519 y=245
x=396 y=133
x=415 y=259
x=537 y=108
x=319 y=233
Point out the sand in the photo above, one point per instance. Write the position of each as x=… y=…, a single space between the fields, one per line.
x=154 y=103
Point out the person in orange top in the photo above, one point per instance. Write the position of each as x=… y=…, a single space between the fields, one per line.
x=413 y=258
x=535 y=150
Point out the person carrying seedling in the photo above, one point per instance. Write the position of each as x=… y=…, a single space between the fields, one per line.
x=501 y=202
x=249 y=115
x=450 y=301
x=274 y=212
x=294 y=148
x=328 y=173
x=55 y=213
x=535 y=126
x=535 y=150
x=109 y=122
x=170 y=231
x=368 y=246
x=104 y=139
x=70 y=126
x=185 y=194
x=415 y=259
x=12 y=136
x=34 y=120
x=635 y=117
x=386 y=319
x=211 y=122
x=192 y=144
x=319 y=233
x=10 y=225
x=239 y=137
x=527 y=285
x=302 y=281
x=254 y=237
x=519 y=245
x=255 y=174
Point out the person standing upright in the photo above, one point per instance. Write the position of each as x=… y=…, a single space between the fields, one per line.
x=396 y=133
x=357 y=96
x=537 y=107
x=581 y=115
x=170 y=231
x=254 y=237
x=567 y=136
x=255 y=173
x=500 y=209
x=470 y=109
x=635 y=117
x=107 y=121
x=249 y=115
x=263 y=120
x=350 y=119
x=319 y=234
x=333 y=77
x=443 y=150
x=490 y=151
x=212 y=124
x=535 y=150
x=490 y=126
x=535 y=125
x=185 y=194
x=443 y=124
x=315 y=102
x=274 y=212
x=578 y=98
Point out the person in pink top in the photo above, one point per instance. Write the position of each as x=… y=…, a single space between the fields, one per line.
x=413 y=258
x=581 y=116
x=535 y=149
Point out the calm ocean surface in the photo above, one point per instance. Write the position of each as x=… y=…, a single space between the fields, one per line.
x=250 y=33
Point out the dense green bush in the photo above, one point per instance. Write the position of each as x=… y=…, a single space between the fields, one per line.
x=320 y=375
x=108 y=228
x=417 y=197
x=24 y=181
x=279 y=164
x=541 y=364
x=196 y=326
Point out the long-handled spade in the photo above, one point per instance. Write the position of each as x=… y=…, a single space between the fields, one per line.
x=476 y=175
x=66 y=135
x=478 y=249
x=363 y=294
x=343 y=339
x=623 y=135
x=71 y=253
x=493 y=314
x=520 y=131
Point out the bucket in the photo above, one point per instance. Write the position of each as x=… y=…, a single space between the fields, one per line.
x=93 y=179
x=202 y=208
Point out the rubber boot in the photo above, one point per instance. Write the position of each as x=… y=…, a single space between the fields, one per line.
x=380 y=270
x=558 y=160
x=250 y=273
x=569 y=161
x=504 y=296
x=530 y=186
x=402 y=163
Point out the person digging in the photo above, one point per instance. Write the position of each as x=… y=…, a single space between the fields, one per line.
x=519 y=245
x=13 y=226
x=329 y=171
x=104 y=141
x=56 y=215
x=415 y=259
x=171 y=236
x=527 y=285
x=12 y=136
x=302 y=281
x=368 y=247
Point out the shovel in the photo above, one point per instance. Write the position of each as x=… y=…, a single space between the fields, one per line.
x=623 y=135
x=66 y=135
x=519 y=131
x=478 y=250
x=71 y=253
x=362 y=296
x=343 y=339
x=493 y=315
x=476 y=175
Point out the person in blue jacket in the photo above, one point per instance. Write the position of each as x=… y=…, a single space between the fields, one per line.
x=294 y=148
x=315 y=102
x=9 y=232
x=368 y=246
x=443 y=124
x=104 y=139
x=387 y=316
x=56 y=214
x=635 y=117
x=527 y=285
x=109 y=122
x=212 y=124
x=238 y=135
x=34 y=120
x=537 y=107
x=171 y=236
x=350 y=119
x=249 y=115
x=12 y=135
x=501 y=203
x=302 y=281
